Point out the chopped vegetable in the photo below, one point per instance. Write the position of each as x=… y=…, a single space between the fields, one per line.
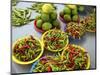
x=26 y=49
x=75 y=30
x=48 y=64
x=77 y=58
x=55 y=40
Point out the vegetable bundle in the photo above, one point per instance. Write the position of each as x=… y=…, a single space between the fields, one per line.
x=20 y=16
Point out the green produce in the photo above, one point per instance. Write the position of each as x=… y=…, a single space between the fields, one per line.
x=39 y=23
x=38 y=17
x=14 y=2
x=40 y=7
x=74 y=12
x=67 y=17
x=47 y=8
x=53 y=15
x=56 y=23
x=67 y=10
x=45 y=17
x=46 y=26
x=75 y=18
x=71 y=6
x=20 y=16
x=81 y=8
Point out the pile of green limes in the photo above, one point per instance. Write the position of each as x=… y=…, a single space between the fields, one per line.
x=70 y=12
x=48 y=18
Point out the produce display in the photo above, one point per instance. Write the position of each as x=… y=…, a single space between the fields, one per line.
x=47 y=19
x=53 y=51
x=20 y=16
x=75 y=30
x=76 y=58
x=70 y=13
x=73 y=57
x=55 y=40
x=48 y=64
x=27 y=49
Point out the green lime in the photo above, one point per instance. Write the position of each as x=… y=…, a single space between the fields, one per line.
x=74 y=12
x=67 y=17
x=67 y=10
x=56 y=23
x=81 y=8
x=45 y=17
x=39 y=23
x=53 y=15
x=75 y=18
x=46 y=26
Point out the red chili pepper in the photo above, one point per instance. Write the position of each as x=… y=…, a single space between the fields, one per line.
x=49 y=69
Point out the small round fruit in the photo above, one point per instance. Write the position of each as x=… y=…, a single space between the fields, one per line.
x=74 y=12
x=67 y=10
x=53 y=15
x=47 y=8
x=67 y=18
x=46 y=26
x=38 y=17
x=39 y=23
x=75 y=18
x=45 y=17
x=81 y=8
x=56 y=23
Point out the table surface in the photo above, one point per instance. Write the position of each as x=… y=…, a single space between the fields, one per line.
x=88 y=41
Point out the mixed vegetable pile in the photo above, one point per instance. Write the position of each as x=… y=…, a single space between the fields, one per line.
x=26 y=49
x=75 y=58
x=75 y=30
x=72 y=58
x=55 y=40
x=48 y=64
